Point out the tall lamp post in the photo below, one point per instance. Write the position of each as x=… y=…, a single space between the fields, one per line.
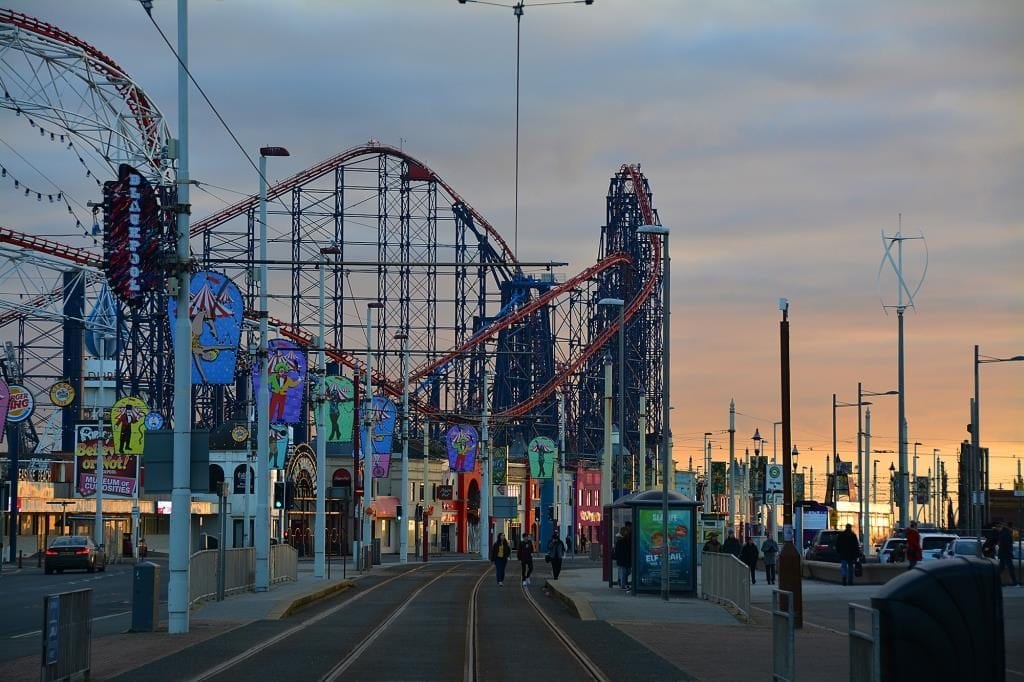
x=913 y=485
x=320 y=540
x=707 y=473
x=789 y=556
x=403 y=500
x=262 y=530
x=666 y=285
x=860 y=461
x=755 y=465
x=976 y=432
x=620 y=455
x=862 y=449
x=367 y=441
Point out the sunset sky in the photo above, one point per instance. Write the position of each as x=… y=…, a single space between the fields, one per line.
x=780 y=140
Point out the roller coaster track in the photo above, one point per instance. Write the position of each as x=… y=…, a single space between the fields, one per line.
x=51 y=248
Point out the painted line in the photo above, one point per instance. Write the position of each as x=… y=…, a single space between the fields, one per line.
x=471 y=671
x=37 y=632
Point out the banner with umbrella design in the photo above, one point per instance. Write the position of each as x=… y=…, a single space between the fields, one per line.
x=215 y=313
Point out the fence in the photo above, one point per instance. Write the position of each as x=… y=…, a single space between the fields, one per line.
x=239 y=572
x=865 y=652
x=67 y=635
x=726 y=580
x=783 y=636
x=284 y=563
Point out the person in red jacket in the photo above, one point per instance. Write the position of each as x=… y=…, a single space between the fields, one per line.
x=913 y=545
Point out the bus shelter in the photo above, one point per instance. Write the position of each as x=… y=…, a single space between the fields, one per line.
x=650 y=544
x=613 y=519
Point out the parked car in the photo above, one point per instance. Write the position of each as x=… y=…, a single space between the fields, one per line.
x=961 y=547
x=823 y=547
x=74 y=551
x=888 y=546
x=932 y=545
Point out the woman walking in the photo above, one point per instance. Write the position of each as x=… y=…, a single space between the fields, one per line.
x=500 y=553
x=525 y=555
x=770 y=549
x=556 y=550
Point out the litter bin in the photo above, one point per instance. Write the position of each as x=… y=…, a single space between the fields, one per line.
x=376 y=551
x=940 y=608
x=145 y=597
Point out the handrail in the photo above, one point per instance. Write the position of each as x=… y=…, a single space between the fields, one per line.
x=726 y=580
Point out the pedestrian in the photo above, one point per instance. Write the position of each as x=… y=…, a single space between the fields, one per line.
x=525 y=555
x=583 y=542
x=731 y=545
x=556 y=550
x=770 y=550
x=1005 y=544
x=913 y=545
x=848 y=549
x=748 y=555
x=713 y=545
x=500 y=553
x=624 y=554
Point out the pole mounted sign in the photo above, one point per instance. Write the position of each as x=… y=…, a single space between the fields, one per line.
x=131 y=235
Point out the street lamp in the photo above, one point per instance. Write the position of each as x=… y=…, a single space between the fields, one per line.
x=367 y=441
x=320 y=539
x=753 y=508
x=606 y=457
x=707 y=475
x=662 y=233
x=403 y=525
x=262 y=532
x=620 y=455
x=914 y=475
x=865 y=505
x=793 y=456
x=835 y=448
x=976 y=438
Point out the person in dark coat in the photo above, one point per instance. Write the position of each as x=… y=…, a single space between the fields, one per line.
x=731 y=545
x=556 y=550
x=624 y=554
x=500 y=553
x=748 y=555
x=770 y=551
x=1005 y=544
x=713 y=545
x=848 y=549
x=525 y=556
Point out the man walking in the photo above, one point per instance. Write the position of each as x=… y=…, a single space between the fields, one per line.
x=1005 y=544
x=731 y=545
x=848 y=549
x=770 y=550
x=624 y=554
x=525 y=556
x=748 y=555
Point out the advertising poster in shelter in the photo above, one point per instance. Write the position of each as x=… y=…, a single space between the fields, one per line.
x=287 y=373
x=383 y=414
x=340 y=409
x=131 y=235
x=651 y=545
x=461 y=440
x=5 y=399
x=127 y=418
x=542 y=452
x=120 y=472
x=215 y=318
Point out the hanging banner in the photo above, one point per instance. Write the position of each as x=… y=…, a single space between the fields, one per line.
x=279 y=441
x=718 y=478
x=340 y=409
x=383 y=414
x=843 y=470
x=120 y=472
x=131 y=235
x=5 y=399
x=798 y=487
x=499 y=466
x=758 y=464
x=923 y=488
x=287 y=372
x=542 y=452
x=461 y=441
x=20 y=404
x=215 y=313
x=127 y=418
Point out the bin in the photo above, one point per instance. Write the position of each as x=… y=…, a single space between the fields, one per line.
x=145 y=597
x=943 y=620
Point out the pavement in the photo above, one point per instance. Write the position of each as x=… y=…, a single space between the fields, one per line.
x=702 y=639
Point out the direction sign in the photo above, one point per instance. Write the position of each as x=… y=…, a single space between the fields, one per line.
x=773 y=479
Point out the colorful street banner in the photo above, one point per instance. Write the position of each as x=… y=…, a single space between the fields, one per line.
x=20 y=404
x=651 y=546
x=798 y=487
x=922 y=489
x=686 y=484
x=120 y=472
x=5 y=399
x=340 y=409
x=131 y=235
x=215 y=313
x=718 y=478
x=279 y=441
x=127 y=418
x=542 y=452
x=499 y=466
x=287 y=372
x=383 y=415
x=843 y=470
x=461 y=440
x=758 y=464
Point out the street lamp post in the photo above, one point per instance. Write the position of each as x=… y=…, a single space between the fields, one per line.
x=620 y=455
x=913 y=491
x=666 y=285
x=403 y=525
x=732 y=463
x=606 y=459
x=262 y=531
x=860 y=460
x=976 y=430
x=707 y=474
x=753 y=507
x=862 y=450
x=367 y=441
x=320 y=540
x=789 y=556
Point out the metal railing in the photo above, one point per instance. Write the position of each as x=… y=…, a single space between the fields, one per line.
x=726 y=580
x=239 y=572
x=865 y=653
x=284 y=563
x=783 y=636
x=67 y=635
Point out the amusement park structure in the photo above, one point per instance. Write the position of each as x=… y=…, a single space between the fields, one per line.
x=404 y=238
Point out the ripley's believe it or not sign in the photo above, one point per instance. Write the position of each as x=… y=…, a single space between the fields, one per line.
x=120 y=472
x=131 y=235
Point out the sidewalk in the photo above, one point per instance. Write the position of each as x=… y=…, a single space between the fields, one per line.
x=698 y=637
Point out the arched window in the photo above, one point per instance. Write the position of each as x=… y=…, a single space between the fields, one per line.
x=216 y=477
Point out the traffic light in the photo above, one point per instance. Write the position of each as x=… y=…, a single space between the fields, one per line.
x=278 y=494
x=399 y=512
x=290 y=496
x=551 y=512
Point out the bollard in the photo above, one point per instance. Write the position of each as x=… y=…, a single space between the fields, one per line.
x=21 y=555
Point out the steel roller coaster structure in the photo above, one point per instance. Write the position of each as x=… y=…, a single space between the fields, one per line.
x=406 y=238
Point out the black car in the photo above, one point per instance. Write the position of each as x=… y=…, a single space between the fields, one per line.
x=823 y=547
x=74 y=551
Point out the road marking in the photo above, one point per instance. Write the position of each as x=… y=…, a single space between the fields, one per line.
x=36 y=632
